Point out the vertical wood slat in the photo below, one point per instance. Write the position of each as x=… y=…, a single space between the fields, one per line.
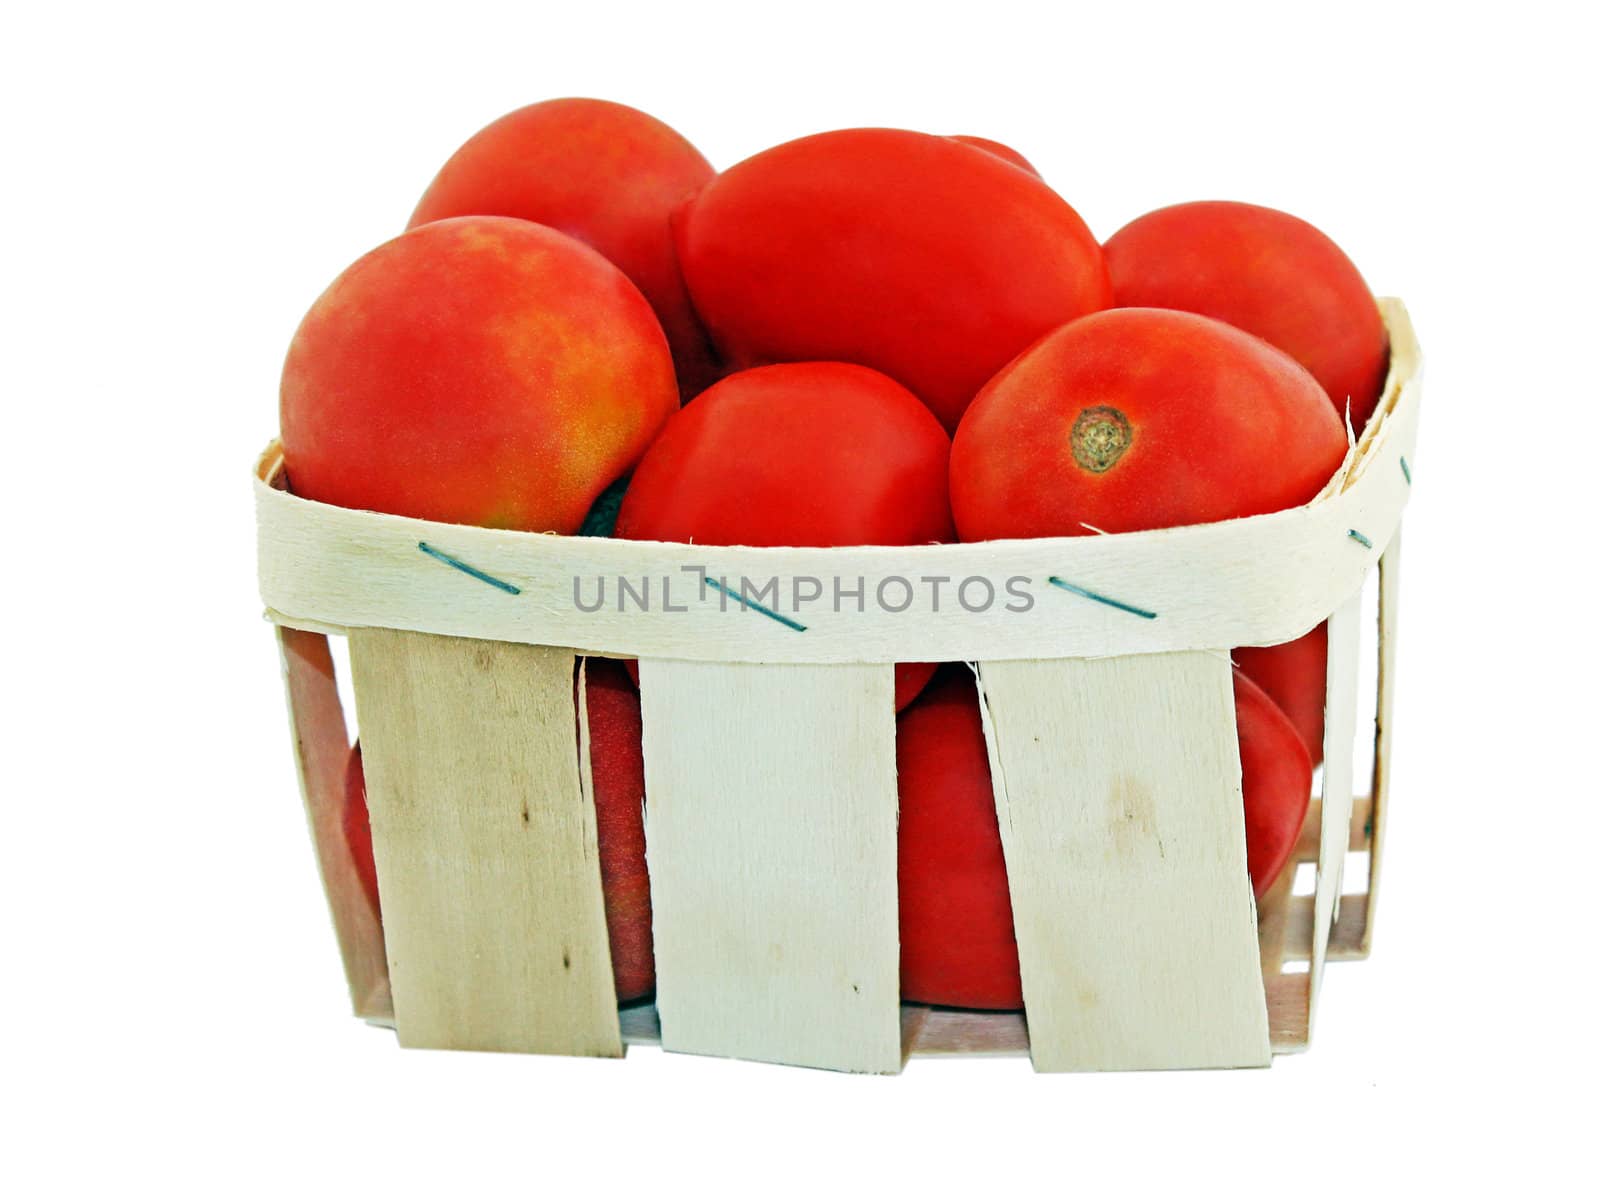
x=770 y=828
x=322 y=750
x=1338 y=774
x=1383 y=740
x=484 y=837
x=1117 y=783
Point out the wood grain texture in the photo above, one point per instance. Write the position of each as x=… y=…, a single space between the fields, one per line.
x=1249 y=582
x=485 y=844
x=770 y=830
x=1117 y=784
x=1338 y=773
x=322 y=748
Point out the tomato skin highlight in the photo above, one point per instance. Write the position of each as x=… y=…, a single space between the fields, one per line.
x=1140 y=419
x=1009 y=154
x=957 y=939
x=913 y=254
x=480 y=370
x=604 y=173
x=1268 y=273
x=616 y=759
x=811 y=455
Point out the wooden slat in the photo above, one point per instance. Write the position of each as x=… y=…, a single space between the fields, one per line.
x=770 y=830
x=1253 y=581
x=322 y=748
x=1309 y=845
x=1338 y=770
x=1117 y=784
x=485 y=845
x=1383 y=743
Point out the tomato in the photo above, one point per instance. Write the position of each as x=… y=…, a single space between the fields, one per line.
x=812 y=455
x=616 y=759
x=1295 y=675
x=913 y=254
x=1137 y=419
x=480 y=371
x=357 y=826
x=1268 y=273
x=1279 y=278
x=957 y=942
x=1277 y=782
x=957 y=945
x=602 y=172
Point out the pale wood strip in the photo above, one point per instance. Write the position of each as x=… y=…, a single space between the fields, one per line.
x=1289 y=1012
x=1383 y=748
x=1309 y=844
x=1117 y=784
x=1344 y=657
x=322 y=748
x=770 y=830
x=485 y=845
x=1248 y=582
x=942 y=1031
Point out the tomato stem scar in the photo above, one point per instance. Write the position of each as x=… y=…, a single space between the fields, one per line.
x=455 y=563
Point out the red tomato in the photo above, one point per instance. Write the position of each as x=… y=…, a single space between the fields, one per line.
x=1295 y=676
x=911 y=253
x=957 y=943
x=616 y=761
x=1137 y=419
x=616 y=758
x=957 y=946
x=1277 y=782
x=480 y=371
x=357 y=826
x=602 y=172
x=1268 y=273
x=810 y=455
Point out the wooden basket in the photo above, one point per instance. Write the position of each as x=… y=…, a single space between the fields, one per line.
x=770 y=770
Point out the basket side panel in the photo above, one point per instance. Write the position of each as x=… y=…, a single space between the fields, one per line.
x=322 y=748
x=484 y=836
x=1117 y=783
x=1338 y=774
x=770 y=831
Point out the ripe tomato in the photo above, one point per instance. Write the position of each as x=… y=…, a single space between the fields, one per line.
x=1137 y=419
x=810 y=455
x=1268 y=273
x=480 y=370
x=602 y=172
x=914 y=254
x=957 y=945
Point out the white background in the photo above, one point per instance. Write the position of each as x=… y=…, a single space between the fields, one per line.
x=181 y=183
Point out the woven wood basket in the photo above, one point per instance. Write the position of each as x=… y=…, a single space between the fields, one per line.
x=770 y=774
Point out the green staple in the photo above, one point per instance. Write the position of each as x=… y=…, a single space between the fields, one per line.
x=1359 y=539
x=1405 y=469
x=1101 y=598
x=756 y=606
x=467 y=569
